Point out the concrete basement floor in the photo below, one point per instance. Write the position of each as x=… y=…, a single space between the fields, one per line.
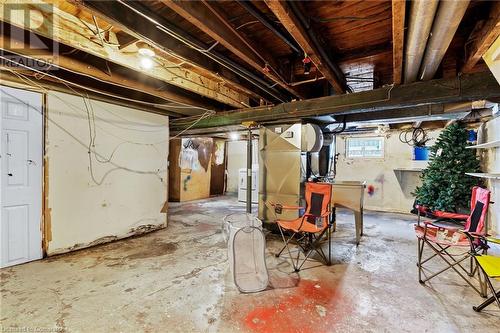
x=177 y=280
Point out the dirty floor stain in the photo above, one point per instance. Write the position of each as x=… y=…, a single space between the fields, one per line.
x=177 y=280
x=312 y=306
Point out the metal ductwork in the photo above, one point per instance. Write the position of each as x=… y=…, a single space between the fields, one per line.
x=421 y=17
x=448 y=17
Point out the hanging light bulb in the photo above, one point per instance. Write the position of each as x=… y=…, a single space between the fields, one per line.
x=147 y=54
x=145 y=50
x=234 y=136
x=146 y=62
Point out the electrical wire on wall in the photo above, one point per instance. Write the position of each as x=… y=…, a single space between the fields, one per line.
x=89 y=111
x=79 y=141
x=76 y=110
x=92 y=135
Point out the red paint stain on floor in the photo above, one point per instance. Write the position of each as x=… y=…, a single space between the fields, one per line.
x=311 y=307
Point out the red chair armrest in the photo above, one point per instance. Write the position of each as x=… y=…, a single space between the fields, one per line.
x=447 y=215
x=475 y=234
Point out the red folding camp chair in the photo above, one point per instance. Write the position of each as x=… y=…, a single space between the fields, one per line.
x=309 y=229
x=442 y=237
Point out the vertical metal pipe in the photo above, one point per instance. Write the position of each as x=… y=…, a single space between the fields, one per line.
x=249 y=171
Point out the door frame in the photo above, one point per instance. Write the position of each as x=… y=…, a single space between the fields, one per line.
x=45 y=237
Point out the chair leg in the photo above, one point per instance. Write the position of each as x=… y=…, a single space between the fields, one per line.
x=280 y=252
x=493 y=298
x=313 y=244
x=286 y=245
x=304 y=260
x=452 y=266
x=443 y=251
x=471 y=272
x=487 y=302
x=329 y=246
x=420 y=249
x=482 y=284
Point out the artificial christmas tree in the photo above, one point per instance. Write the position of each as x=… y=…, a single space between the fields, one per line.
x=445 y=186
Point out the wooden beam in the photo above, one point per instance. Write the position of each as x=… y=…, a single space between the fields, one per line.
x=463 y=88
x=7 y=78
x=122 y=15
x=293 y=25
x=483 y=39
x=362 y=52
x=69 y=30
x=435 y=110
x=79 y=67
x=206 y=18
x=398 y=36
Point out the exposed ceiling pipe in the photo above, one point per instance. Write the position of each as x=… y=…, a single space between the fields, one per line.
x=421 y=17
x=306 y=24
x=448 y=17
x=293 y=84
x=266 y=22
x=166 y=27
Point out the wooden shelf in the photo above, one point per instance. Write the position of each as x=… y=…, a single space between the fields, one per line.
x=491 y=144
x=484 y=175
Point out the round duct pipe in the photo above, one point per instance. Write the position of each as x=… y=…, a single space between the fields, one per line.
x=312 y=138
x=448 y=17
x=421 y=17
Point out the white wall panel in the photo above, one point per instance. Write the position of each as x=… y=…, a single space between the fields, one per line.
x=127 y=191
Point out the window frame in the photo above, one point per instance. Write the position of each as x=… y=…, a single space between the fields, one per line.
x=377 y=137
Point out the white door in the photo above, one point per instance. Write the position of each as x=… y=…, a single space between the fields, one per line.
x=21 y=176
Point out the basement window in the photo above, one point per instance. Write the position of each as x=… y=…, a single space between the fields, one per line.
x=365 y=147
x=359 y=76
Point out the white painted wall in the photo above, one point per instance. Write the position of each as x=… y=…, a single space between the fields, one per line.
x=237 y=159
x=492 y=165
x=132 y=187
x=390 y=194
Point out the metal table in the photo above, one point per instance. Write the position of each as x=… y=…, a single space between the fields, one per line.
x=349 y=194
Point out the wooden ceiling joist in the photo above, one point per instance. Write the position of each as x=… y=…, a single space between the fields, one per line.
x=79 y=67
x=293 y=25
x=482 y=39
x=467 y=87
x=205 y=17
x=71 y=31
x=398 y=35
x=146 y=30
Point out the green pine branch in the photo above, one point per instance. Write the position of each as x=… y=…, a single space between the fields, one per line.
x=445 y=186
